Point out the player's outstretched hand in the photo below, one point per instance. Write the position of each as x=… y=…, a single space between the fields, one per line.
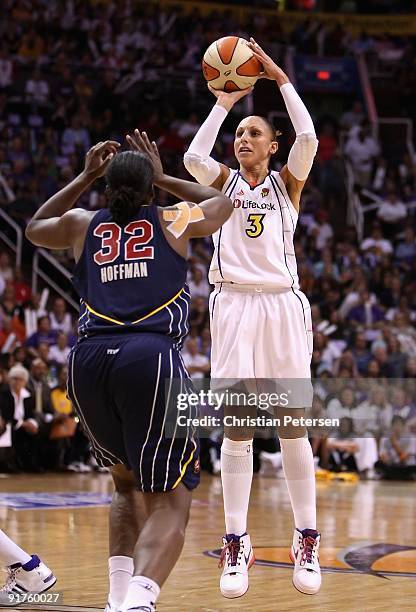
x=98 y=158
x=227 y=100
x=270 y=69
x=140 y=142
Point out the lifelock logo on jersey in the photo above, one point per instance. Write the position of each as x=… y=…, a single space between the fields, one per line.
x=250 y=204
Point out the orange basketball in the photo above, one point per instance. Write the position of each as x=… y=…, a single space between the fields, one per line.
x=229 y=64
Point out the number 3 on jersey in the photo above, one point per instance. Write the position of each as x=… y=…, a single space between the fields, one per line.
x=256 y=225
x=110 y=233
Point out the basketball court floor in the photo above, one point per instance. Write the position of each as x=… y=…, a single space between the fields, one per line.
x=368 y=548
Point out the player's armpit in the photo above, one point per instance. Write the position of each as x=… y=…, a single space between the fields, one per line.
x=293 y=186
x=220 y=180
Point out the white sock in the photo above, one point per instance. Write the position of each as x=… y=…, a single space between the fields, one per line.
x=142 y=591
x=10 y=552
x=236 y=476
x=299 y=470
x=120 y=571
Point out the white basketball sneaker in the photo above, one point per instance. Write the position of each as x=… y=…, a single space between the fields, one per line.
x=305 y=556
x=33 y=577
x=237 y=557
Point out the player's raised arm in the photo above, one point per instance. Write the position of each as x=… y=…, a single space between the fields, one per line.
x=55 y=225
x=214 y=208
x=304 y=148
x=197 y=159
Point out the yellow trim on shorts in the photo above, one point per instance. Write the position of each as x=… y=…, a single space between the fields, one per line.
x=141 y=318
x=184 y=467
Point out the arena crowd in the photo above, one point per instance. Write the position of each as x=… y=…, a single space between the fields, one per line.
x=73 y=73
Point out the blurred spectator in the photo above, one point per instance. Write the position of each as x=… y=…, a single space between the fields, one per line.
x=362 y=150
x=353 y=117
x=76 y=136
x=391 y=211
x=59 y=317
x=22 y=291
x=6 y=68
x=376 y=242
x=59 y=352
x=405 y=251
x=40 y=390
x=18 y=404
x=197 y=364
x=349 y=453
x=198 y=286
x=398 y=453
x=321 y=229
x=6 y=271
x=366 y=313
x=44 y=333
x=37 y=89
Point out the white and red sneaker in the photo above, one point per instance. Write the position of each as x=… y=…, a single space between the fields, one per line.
x=305 y=556
x=237 y=557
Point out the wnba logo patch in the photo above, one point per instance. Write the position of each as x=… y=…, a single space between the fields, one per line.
x=197 y=466
x=265 y=192
x=380 y=559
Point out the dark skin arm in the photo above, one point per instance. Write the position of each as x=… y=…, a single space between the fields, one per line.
x=215 y=206
x=55 y=225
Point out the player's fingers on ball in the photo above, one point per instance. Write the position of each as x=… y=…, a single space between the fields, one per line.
x=213 y=91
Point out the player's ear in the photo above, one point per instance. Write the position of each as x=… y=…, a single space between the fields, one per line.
x=274 y=146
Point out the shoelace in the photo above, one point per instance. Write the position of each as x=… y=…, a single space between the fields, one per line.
x=10 y=582
x=308 y=550
x=233 y=549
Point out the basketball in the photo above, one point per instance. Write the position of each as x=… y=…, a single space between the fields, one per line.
x=229 y=64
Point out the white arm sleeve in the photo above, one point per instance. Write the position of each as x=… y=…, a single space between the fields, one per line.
x=304 y=148
x=197 y=159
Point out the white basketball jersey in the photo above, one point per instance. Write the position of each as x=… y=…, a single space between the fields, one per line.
x=255 y=246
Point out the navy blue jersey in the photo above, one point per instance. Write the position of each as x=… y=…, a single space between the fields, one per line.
x=130 y=279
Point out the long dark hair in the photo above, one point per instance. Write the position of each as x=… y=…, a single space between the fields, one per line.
x=129 y=185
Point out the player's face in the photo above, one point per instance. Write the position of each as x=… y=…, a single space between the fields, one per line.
x=253 y=143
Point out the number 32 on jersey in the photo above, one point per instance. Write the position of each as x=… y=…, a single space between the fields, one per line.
x=256 y=226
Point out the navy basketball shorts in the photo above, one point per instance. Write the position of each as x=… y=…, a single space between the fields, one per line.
x=117 y=385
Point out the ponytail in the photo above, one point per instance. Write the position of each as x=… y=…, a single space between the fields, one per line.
x=129 y=185
x=123 y=203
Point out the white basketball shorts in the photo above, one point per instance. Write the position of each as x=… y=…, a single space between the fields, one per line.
x=259 y=332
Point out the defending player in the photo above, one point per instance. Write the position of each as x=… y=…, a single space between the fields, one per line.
x=131 y=277
x=260 y=322
x=26 y=574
